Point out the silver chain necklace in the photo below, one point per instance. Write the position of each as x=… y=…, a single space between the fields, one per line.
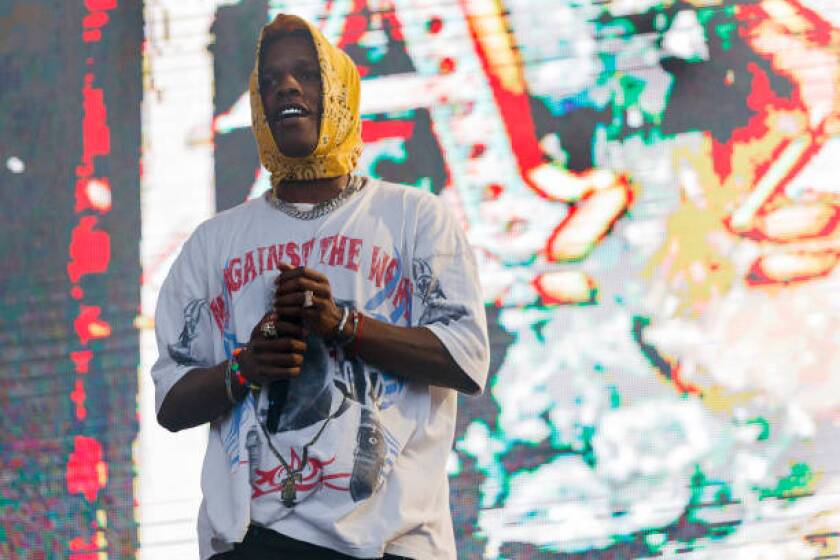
x=320 y=209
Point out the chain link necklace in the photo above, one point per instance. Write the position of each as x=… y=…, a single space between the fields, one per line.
x=288 y=492
x=355 y=183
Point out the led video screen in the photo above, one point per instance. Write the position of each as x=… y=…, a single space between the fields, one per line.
x=651 y=193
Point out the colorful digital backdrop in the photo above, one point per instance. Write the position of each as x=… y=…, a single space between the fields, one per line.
x=652 y=192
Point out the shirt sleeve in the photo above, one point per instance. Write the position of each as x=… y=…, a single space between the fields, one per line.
x=447 y=294
x=183 y=324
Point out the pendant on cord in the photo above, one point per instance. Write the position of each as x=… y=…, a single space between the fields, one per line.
x=289 y=492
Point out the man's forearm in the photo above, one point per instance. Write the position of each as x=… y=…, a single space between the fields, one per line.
x=411 y=352
x=198 y=397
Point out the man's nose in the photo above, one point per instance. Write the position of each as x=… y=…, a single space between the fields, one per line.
x=288 y=86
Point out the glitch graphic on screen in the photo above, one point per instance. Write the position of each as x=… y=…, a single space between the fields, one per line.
x=648 y=187
x=652 y=195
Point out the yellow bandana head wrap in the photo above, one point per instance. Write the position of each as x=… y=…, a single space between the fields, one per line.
x=340 y=137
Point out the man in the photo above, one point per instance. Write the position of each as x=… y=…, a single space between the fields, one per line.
x=321 y=330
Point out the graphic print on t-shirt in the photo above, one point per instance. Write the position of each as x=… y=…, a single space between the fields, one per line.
x=330 y=385
x=435 y=307
x=181 y=351
x=333 y=387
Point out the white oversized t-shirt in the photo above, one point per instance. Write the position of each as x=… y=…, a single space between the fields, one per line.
x=374 y=480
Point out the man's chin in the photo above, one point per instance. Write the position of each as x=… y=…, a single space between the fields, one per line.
x=295 y=149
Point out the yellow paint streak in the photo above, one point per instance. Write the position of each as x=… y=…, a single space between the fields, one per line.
x=721 y=400
x=687 y=243
x=690 y=258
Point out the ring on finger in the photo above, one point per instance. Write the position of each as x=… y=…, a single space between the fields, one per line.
x=269 y=329
x=307 y=298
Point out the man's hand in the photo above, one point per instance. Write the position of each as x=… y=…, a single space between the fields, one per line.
x=323 y=316
x=272 y=359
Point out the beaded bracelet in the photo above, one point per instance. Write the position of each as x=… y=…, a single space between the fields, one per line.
x=234 y=367
x=234 y=370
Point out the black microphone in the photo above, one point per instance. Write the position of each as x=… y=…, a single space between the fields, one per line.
x=278 y=393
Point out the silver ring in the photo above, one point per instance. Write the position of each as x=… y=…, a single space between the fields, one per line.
x=307 y=298
x=269 y=329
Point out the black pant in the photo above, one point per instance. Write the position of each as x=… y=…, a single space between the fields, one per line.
x=265 y=544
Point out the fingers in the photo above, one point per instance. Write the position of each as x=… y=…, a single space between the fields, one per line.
x=277 y=358
x=267 y=361
x=297 y=300
x=291 y=312
x=301 y=284
x=266 y=375
x=287 y=275
x=289 y=272
x=283 y=345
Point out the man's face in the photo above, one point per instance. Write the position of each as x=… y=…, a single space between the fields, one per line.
x=290 y=87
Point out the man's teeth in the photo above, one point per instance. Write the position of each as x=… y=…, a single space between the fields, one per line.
x=291 y=112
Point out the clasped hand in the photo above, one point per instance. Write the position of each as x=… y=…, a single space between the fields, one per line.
x=271 y=359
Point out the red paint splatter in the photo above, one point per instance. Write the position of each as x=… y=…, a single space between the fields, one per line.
x=355 y=25
x=493 y=191
x=393 y=25
x=514 y=107
x=96 y=137
x=477 y=150
x=682 y=385
x=76 y=292
x=377 y=130
x=95 y=19
x=90 y=251
x=447 y=65
x=100 y=5
x=763 y=101
x=81 y=360
x=434 y=25
x=77 y=396
x=86 y=472
x=82 y=549
x=89 y=326
x=92 y=36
